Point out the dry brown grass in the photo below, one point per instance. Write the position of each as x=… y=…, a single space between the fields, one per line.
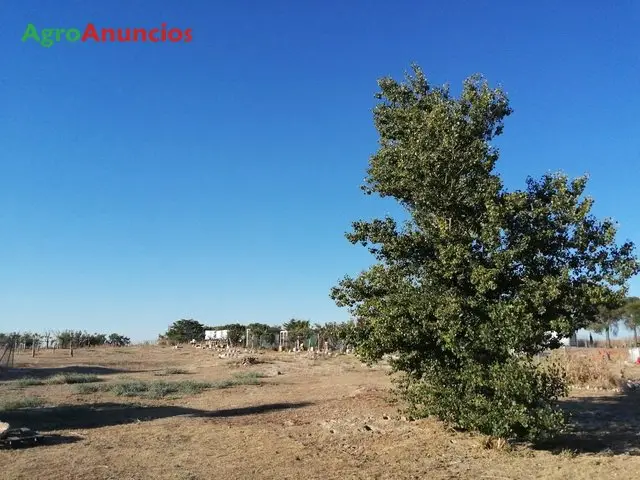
x=323 y=418
x=591 y=368
x=617 y=343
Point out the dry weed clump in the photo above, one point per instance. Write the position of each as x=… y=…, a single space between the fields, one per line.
x=589 y=370
x=9 y=404
x=495 y=443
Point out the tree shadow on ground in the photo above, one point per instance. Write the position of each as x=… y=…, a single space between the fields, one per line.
x=55 y=439
x=46 y=441
x=607 y=424
x=96 y=415
x=41 y=373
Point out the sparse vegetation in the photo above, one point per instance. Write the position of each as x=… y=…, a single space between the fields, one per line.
x=71 y=378
x=161 y=389
x=248 y=375
x=59 y=379
x=26 y=382
x=87 y=388
x=172 y=371
x=8 y=404
x=344 y=412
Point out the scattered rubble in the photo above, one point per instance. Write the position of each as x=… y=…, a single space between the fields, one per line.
x=632 y=385
x=250 y=361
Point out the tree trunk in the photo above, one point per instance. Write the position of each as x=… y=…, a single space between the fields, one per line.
x=608 y=337
x=635 y=334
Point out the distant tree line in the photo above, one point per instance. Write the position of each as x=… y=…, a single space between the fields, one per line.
x=337 y=333
x=608 y=320
x=64 y=339
x=262 y=335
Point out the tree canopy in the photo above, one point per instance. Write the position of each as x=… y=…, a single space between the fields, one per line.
x=65 y=339
x=185 y=330
x=117 y=340
x=236 y=332
x=631 y=315
x=466 y=291
x=297 y=328
x=607 y=321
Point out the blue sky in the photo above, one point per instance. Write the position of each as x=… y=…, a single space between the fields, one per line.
x=143 y=183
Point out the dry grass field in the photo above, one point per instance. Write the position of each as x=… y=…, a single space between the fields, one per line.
x=162 y=413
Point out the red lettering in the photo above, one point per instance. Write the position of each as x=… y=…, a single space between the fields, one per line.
x=125 y=39
x=90 y=32
x=109 y=31
x=176 y=31
x=151 y=33
x=187 y=35
x=141 y=31
x=164 y=32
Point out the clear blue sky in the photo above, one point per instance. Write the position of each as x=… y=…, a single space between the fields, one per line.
x=143 y=183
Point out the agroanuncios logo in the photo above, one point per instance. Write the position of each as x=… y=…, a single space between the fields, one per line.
x=48 y=36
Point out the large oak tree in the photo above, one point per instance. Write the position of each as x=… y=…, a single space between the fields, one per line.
x=465 y=292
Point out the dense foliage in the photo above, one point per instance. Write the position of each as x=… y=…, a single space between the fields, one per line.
x=262 y=335
x=466 y=291
x=185 y=330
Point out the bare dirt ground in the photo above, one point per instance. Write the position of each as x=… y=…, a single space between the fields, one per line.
x=329 y=418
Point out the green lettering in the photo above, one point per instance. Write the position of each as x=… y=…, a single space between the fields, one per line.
x=47 y=33
x=31 y=32
x=73 y=35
